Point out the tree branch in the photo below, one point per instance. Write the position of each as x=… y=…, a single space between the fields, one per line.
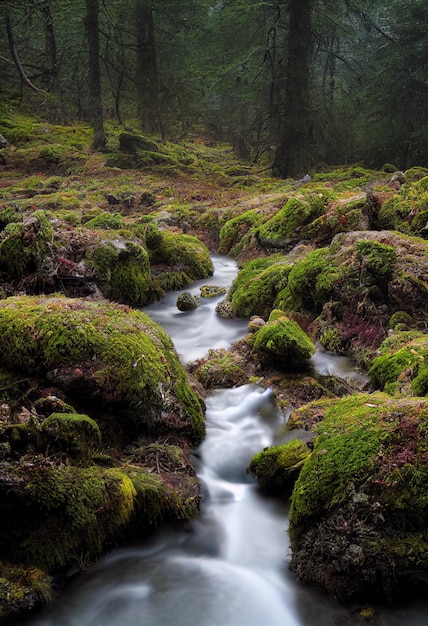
x=24 y=79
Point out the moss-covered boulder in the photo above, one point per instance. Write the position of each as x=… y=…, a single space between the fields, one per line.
x=177 y=260
x=284 y=228
x=122 y=271
x=257 y=285
x=402 y=365
x=233 y=232
x=22 y=588
x=78 y=436
x=277 y=468
x=359 y=509
x=25 y=247
x=76 y=512
x=105 y=355
x=283 y=340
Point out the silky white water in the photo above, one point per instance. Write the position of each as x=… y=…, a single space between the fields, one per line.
x=230 y=566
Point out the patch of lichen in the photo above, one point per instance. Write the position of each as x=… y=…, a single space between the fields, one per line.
x=283 y=340
x=402 y=365
x=100 y=351
x=22 y=588
x=277 y=468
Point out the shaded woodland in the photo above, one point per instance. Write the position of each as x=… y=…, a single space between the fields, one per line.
x=293 y=84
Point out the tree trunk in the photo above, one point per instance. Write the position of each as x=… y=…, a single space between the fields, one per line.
x=293 y=155
x=95 y=101
x=50 y=76
x=147 y=75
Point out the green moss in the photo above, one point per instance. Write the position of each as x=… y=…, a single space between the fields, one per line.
x=415 y=174
x=183 y=253
x=402 y=365
x=105 y=221
x=25 y=245
x=22 y=588
x=76 y=435
x=220 y=369
x=9 y=214
x=123 y=273
x=277 y=468
x=257 y=285
x=287 y=223
x=233 y=230
x=400 y=317
x=112 y=353
x=331 y=340
x=358 y=440
x=283 y=340
x=377 y=258
x=311 y=281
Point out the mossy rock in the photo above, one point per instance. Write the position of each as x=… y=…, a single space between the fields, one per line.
x=103 y=354
x=180 y=255
x=255 y=289
x=284 y=228
x=123 y=273
x=78 y=436
x=105 y=221
x=359 y=508
x=277 y=468
x=283 y=340
x=22 y=589
x=220 y=369
x=232 y=232
x=402 y=366
x=25 y=246
x=77 y=512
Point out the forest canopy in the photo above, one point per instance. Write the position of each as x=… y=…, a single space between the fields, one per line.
x=297 y=83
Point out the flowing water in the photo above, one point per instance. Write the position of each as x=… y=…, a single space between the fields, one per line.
x=230 y=566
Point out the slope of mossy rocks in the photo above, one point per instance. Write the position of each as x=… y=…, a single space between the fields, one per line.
x=359 y=509
x=90 y=479
x=349 y=290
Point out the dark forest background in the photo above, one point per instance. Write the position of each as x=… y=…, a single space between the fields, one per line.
x=301 y=83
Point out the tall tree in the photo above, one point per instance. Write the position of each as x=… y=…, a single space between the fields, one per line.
x=147 y=73
x=294 y=154
x=94 y=74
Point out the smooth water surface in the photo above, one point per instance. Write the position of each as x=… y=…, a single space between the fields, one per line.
x=230 y=566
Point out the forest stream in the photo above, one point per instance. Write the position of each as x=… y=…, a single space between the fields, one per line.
x=230 y=566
